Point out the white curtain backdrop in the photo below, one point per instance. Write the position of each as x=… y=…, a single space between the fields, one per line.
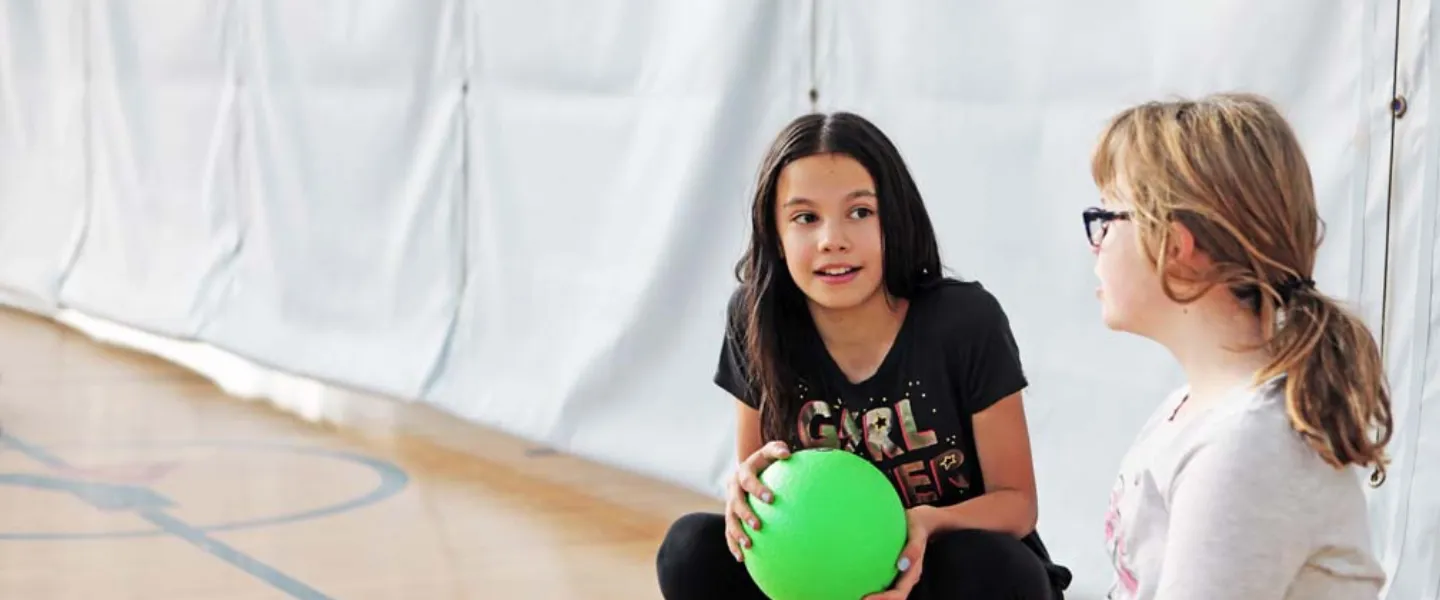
x=1406 y=510
x=161 y=154
x=43 y=146
x=350 y=154
x=527 y=213
x=611 y=148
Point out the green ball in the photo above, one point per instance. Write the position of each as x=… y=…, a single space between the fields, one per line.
x=834 y=530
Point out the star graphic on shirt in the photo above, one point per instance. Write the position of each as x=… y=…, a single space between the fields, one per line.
x=879 y=423
x=948 y=462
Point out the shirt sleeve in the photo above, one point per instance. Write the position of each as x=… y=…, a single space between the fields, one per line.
x=989 y=367
x=1238 y=518
x=731 y=373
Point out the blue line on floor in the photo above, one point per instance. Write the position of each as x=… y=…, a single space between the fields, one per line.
x=149 y=505
x=35 y=453
x=240 y=560
x=390 y=480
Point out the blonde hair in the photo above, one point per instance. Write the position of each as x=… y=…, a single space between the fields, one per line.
x=1230 y=169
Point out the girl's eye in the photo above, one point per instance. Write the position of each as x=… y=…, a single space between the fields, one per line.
x=861 y=212
x=803 y=218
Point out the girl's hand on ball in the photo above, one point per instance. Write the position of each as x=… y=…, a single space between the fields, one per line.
x=919 y=526
x=748 y=475
x=746 y=482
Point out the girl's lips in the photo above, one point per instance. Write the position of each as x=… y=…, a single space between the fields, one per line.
x=842 y=277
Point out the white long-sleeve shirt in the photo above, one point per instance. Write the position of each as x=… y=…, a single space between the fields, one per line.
x=1230 y=503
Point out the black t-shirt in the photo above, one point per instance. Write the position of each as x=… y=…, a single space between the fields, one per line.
x=954 y=356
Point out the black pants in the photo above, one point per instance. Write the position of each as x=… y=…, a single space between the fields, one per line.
x=694 y=563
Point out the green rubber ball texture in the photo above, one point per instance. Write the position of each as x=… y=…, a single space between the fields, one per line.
x=834 y=531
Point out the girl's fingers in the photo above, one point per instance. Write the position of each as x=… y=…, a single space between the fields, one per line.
x=750 y=484
x=735 y=536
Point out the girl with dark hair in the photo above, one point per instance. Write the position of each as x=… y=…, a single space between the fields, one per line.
x=845 y=334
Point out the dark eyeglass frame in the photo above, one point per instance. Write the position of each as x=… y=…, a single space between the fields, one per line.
x=1097 y=223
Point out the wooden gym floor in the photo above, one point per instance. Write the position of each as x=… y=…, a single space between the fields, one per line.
x=123 y=476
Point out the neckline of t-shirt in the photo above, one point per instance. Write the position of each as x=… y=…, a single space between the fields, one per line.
x=886 y=364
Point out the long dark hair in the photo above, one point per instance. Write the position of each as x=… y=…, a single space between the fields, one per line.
x=774 y=311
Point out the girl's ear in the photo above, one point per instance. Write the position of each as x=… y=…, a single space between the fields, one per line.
x=1181 y=247
x=1182 y=256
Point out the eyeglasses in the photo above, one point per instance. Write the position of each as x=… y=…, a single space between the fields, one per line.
x=1097 y=223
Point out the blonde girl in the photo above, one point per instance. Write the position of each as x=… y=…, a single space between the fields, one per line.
x=1242 y=483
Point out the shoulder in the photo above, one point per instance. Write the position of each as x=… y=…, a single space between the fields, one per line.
x=735 y=305
x=1247 y=470
x=1249 y=492
x=957 y=307
x=964 y=323
x=1257 y=421
x=736 y=312
x=1252 y=439
x=732 y=372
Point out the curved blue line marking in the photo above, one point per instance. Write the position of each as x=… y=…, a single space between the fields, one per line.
x=392 y=480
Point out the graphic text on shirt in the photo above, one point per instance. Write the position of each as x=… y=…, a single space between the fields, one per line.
x=887 y=431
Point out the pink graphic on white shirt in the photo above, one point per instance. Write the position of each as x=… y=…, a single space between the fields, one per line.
x=1115 y=541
